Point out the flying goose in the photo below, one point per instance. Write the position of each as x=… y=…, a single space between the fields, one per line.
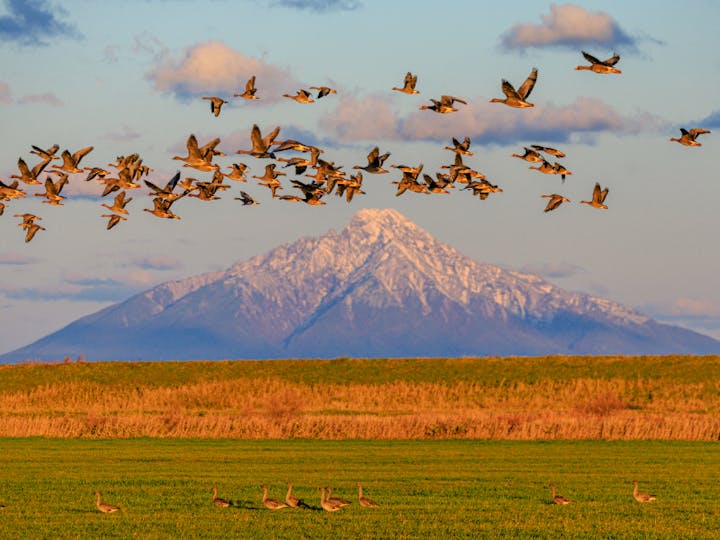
x=216 y=104
x=558 y=499
x=53 y=189
x=598 y=197
x=444 y=106
x=45 y=154
x=530 y=155
x=688 y=137
x=167 y=191
x=640 y=496
x=518 y=98
x=104 y=507
x=561 y=170
x=460 y=147
x=27 y=219
x=96 y=172
x=291 y=144
x=600 y=66
x=364 y=501
x=246 y=199
x=217 y=501
x=272 y=504
x=237 y=172
x=250 y=90
x=71 y=161
x=434 y=186
x=30 y=176
x=261 y=145
x=323 y=91
x=31 y=230
x=113 y=220
x=195 y=158
x=408 y=85
x=302 y=96
x=10 y=191
x=548 y=150
x=161 y=209
x=119 y=204
x=555 y=201
x=545 y=167
x=375 y=162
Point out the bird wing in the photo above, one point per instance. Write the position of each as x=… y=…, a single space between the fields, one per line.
x=372 y=157
x=694 y=132
x=258 y=144
x=612 y=60
x=590 y=58
x=527 y=87
x=250 y=85
x=508 y=89
x=192 y=148
x=77 y=156
x=172 y=182
x=152 y=186
x=603 y=194
x=270 y=137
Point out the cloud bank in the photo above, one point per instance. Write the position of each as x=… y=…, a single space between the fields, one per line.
x=318 y=6
x=569 y=26
x=32 y=22
x=214 y=68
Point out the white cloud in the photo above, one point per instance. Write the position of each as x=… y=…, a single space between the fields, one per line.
x=359 y=119
x=213 y=67
x=568 y=25
x=47 y=98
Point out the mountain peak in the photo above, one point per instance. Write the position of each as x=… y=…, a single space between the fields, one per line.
x=383 y=224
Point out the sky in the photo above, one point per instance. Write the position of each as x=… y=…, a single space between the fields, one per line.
x=130 y=79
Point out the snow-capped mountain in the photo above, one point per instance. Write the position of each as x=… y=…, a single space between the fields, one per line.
x=381 y=287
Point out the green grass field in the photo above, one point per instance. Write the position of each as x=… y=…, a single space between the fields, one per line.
x=427 y=489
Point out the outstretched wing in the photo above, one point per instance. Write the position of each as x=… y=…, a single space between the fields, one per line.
x=509 y=90
x=527 y=87
x=612 y=61
x=590 y=58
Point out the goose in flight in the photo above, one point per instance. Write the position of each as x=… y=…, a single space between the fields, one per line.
x=460 y=147
x=45 y=154
x=375 y=162
x=237 y=172
x=598 y=197
x=555 y=201
x=688 y=137
x=71 y=161
x=161 y=209
x=300 y=163
x=27 y=175
x=53 y=189
x=600 y=66
x=323 y=91
x=291 y=144
x=261 y=145
x=302 y=96
x=548 y=150
x=530 y=155
x=113 y=220
x=518 y=98
x=166 y=192
x=408 y=85
x=545 y=167
x=119 y=204
x=561 y=170
x=27 y=219
x=246 y=199
x=31 y=230
x=250 y=90
x=10 y=191
x=444 y=106
x=270 y=175
x=216 y=104
x=195 y=158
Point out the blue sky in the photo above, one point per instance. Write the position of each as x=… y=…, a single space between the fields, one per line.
x=129 y=79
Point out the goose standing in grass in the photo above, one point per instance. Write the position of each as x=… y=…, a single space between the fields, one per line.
x=444 y=106
x=217 y=501
x=375 y=162
x=518 y=98
x=272 y=504
x=323 y=91
x=600 y=66
x=302 y=96
x=640 y=496
x=558 y=499
x=294 y=502
x=598 y=197
x=364 y=501
x=335 y=500
x=327 y=505
x=216 y=104
x=555 y=201
x=105 y=508
x=250 y=90
x=688 y=137
x=408 y=84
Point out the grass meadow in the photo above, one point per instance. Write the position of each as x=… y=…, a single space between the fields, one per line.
x=550 y=398
x=426 y=489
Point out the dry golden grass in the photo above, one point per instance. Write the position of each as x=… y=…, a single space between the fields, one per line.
x=276 y=407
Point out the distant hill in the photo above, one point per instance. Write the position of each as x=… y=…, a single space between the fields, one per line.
x=382 y=287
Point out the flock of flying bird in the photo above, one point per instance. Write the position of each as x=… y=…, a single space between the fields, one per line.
x=333 y=504
x=327 y=177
